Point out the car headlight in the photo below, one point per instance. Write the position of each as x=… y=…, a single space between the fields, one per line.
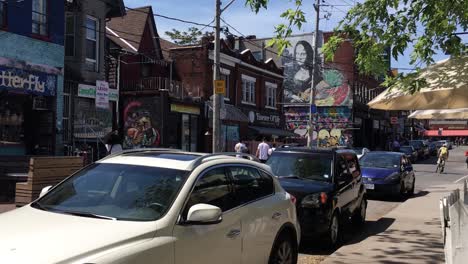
x=314 y=200
x=392 y=177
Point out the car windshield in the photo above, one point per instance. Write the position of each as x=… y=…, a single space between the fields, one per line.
x=407 y=150
x=379 y=160
x=116 y=191
x=301 y=165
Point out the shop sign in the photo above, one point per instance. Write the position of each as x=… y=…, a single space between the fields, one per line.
x=89 y=91
x=102 y=94
x=37 y=83
x=394 y=120
x=185 y=109
x=255 y=117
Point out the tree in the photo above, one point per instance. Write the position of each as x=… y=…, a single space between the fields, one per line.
x=375 y=25
x=189 y=37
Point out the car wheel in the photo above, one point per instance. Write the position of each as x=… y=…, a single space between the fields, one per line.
x=333 y=235
x=284 y=250
x=359 y=216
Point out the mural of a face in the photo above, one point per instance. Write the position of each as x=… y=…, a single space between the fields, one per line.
x=300 y=54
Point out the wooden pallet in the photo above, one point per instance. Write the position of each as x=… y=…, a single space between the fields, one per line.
x=43 y=172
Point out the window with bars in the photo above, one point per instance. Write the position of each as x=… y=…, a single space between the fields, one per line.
x=248 y=90
x=69 y=34
x=92 y=43
x=3 y=14
x=271 y=94
x=40 y=23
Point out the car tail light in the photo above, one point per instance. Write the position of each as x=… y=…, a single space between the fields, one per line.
x=323 y=198
x=293 y=199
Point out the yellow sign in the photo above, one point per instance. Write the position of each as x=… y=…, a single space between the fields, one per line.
x=185 y=109
x=220 y=87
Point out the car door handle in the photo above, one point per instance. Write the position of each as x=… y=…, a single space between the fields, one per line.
x=276 y=216
x=233 y=233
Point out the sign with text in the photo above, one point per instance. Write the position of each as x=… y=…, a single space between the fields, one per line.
x=394 y=120
x=220 y=87
x=89 y=91
x=23 y=81
x=102 y=94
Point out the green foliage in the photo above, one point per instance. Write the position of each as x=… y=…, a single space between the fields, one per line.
x=190 y=37
x=376 y=25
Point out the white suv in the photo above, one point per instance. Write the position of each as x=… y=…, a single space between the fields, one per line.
x=157 y=206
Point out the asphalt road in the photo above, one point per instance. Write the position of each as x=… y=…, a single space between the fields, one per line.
x=455 y=170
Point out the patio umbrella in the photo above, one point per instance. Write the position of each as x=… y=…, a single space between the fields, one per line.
x=446 y=88
x=461 y=113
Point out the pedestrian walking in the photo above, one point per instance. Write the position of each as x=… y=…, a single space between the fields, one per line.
x=466 y=155
x=240 y=147
x=262 y=151
x=273 y=148
x=113 y=142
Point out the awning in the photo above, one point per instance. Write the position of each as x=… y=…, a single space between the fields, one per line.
x=268 y=131
x=446 y=133
x=229 y=113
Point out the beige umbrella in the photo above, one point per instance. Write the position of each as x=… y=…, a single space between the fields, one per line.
x=446 y=88
x=461 y=113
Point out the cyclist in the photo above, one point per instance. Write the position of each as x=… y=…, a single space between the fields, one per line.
x=443 y=155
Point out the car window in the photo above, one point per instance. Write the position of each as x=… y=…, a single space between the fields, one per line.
x=353 y=165
x=310 y=166
x=125 y=192
x=249 y=184
x=341 y=167
x=212 y=188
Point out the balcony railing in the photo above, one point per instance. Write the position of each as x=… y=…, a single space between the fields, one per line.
x=176 y=90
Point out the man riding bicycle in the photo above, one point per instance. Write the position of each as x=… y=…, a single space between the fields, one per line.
x=443 y=155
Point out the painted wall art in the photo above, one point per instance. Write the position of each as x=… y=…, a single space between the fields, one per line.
x=141 y=123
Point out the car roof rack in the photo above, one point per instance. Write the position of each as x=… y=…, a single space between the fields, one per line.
x=213 y=156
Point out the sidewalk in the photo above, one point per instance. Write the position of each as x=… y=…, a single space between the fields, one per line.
x=409 y=234
x=6 y=207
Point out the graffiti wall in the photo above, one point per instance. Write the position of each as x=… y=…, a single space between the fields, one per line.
x=332 y=88
x=142 y=120
x=332 y=125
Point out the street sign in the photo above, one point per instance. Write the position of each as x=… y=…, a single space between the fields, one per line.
x=313 y=109
x=394 y=120
x=220 y=87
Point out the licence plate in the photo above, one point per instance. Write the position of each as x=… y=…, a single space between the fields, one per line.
x=369 y=186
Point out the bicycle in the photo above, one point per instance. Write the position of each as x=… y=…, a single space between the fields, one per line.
x=440 y=166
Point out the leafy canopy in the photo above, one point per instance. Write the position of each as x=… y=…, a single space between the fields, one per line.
x=375 y=25
x=190 y=37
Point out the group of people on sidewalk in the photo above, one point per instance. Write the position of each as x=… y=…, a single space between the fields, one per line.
x=263 y=152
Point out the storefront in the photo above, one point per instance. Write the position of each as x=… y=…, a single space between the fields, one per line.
x=27 y=108
x=265 y=124
x=183 y=127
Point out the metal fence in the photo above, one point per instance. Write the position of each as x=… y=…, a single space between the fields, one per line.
x=454 y=219
x=175 y=88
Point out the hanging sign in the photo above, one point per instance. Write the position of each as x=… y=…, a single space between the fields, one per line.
x=102 y=94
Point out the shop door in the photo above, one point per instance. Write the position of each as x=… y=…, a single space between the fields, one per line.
x=189 y=132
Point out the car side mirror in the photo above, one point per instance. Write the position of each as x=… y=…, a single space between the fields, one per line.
x=44 y=190
x=204 y=214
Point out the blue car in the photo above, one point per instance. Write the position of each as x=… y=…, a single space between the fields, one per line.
x=388 y=172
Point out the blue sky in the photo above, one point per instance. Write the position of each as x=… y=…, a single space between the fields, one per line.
x=243 y=19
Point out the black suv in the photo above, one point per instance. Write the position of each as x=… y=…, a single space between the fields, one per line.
x=328 y=186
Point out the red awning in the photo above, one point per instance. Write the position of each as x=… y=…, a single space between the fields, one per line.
x=446 y=133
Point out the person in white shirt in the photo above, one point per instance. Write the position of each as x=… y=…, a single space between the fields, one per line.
x=273 y=148
x=240 y=148
x=262 y=151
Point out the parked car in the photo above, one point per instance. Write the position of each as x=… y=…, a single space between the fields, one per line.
x=440 y=143
x=361 y=152
x=422 y=148
x=388 y=172
x=328 y=187
x=433 y=149
x=410 y=153
x=157 y=206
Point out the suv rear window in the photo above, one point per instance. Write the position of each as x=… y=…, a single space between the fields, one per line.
x=309 y=166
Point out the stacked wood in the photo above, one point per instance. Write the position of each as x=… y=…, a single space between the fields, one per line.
x=45 y=171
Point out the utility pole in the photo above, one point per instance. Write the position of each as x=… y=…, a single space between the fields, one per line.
x=313 y=91
x=217 y=98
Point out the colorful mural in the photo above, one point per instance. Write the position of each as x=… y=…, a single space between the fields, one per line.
x=333 y=125
x=332 y=89
x=141 y=122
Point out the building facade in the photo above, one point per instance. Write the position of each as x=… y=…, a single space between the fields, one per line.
x=90 y=104
x=31 y=77
x=253 y=92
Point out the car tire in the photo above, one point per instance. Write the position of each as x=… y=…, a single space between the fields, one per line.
x=359 y=216
x=333 y=235
x=284 y=251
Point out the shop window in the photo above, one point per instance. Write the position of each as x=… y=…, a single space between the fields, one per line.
x=189 y=132
x=271 y=89
x=92 y=43
x=70 y=34
x=225 y=77
x=3 y=15
x=248 y=90
x=40 y=21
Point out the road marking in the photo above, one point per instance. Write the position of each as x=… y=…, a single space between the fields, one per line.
x=461 y=179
